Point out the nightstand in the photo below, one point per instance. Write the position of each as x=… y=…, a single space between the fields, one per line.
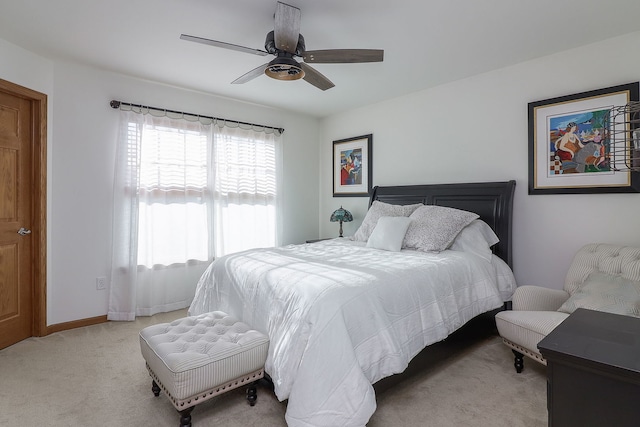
x=318 y=240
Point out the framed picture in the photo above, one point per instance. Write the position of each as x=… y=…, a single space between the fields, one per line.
x=352 y=166
x=570 y=148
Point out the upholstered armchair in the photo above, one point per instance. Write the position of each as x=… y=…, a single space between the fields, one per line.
x=601 y=277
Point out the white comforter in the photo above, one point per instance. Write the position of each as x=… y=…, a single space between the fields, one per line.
x=341 y=316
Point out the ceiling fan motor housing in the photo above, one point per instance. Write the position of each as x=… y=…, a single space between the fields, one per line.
x=270 y=45
x=284 y=67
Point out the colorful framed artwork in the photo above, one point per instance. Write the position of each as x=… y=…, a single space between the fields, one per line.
x=570 y=150
x=352 y=166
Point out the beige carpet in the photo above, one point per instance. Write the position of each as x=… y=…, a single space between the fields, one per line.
x=95 y=376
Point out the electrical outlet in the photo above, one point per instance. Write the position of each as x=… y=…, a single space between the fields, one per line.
x=101 y=283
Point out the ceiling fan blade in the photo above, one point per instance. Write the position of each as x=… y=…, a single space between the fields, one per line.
x=316 y=78
x=287 y=27
x=223 y=45
x=256 y=72
x=341 y=56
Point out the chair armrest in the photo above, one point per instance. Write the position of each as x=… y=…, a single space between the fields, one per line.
x=537 y=298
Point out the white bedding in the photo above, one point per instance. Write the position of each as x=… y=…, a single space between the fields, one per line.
x=341 y=316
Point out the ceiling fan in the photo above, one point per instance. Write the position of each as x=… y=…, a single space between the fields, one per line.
x=286 y=43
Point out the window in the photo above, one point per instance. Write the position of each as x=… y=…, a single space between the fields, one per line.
x=173 y=225
x=201 y=193
x=245 y=192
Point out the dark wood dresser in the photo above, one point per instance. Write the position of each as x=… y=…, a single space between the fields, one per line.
x=593 y=370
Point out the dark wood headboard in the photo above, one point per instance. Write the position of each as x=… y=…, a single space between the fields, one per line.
x=493 y=201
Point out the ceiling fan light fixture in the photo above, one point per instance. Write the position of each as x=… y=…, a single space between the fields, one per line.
x=283 y=68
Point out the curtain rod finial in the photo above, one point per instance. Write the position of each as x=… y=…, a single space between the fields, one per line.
x=115 y=104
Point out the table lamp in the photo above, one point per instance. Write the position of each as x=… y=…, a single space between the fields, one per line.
x=341 y=215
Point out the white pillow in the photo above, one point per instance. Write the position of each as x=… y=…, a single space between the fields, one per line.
x=389 y=233
x=434 y=227
x=376 y=211
x=476 y=238
x=606 y=292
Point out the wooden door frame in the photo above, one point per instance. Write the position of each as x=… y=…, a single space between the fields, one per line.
x=39 y=202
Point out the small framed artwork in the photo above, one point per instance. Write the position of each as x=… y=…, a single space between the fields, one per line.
x=570 y=149
x=352 y=166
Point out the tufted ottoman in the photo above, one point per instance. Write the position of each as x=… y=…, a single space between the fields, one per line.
x=196 y=358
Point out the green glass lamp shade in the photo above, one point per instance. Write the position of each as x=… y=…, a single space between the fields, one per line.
x=341 y=215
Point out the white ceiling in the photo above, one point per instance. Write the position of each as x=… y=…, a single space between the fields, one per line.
x=426 y=42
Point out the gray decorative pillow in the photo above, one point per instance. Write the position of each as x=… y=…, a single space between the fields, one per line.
x=378 y=210
x=605 y=292
x=434 y=227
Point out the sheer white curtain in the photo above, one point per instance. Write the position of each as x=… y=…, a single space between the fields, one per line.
x=185 y=192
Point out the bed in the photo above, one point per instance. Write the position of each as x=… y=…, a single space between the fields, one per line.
x=342 y=315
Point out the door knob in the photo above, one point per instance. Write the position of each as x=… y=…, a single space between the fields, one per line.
x=23 y=231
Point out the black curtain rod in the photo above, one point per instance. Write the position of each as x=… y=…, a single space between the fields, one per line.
x=116 y=104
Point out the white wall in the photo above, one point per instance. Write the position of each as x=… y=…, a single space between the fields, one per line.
x=476 y=130
x=82 y=130
x=22 y=67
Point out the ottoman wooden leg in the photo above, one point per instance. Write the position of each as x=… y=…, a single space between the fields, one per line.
x=252 y=393
x=185 y=417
